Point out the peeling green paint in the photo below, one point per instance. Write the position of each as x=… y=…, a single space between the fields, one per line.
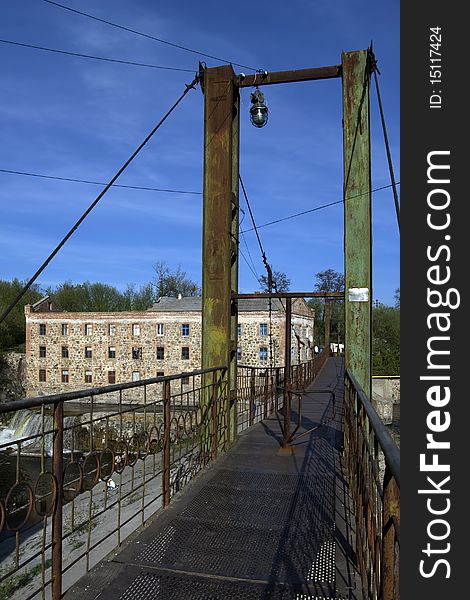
x=357 y=214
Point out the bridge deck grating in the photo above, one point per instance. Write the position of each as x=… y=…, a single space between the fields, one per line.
x=257 y=524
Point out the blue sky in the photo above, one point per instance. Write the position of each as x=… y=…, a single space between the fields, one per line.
x=77 y=118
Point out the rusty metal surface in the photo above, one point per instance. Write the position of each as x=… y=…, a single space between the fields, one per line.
x=219 y=96
x=77 y=478
x=287 y=373
x=333 y=295
x=290 y=76
x=357 y=213
x=255 y=524
x=373 y=463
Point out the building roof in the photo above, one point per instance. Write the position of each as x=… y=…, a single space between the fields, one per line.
x=194 y=303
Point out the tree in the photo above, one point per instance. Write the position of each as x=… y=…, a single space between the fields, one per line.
x=172 y=283
x=87 y=297
x=281 y=282
x=138 y=299
x=385 y=340
x=397 y=298
x=13 y=328
x=69 y=296
x=328 y=281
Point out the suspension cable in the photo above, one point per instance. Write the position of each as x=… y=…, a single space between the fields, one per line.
x=89 y=56
x=375 y=70
x=146 y=35
x=95 y=202
x=268 y=271
x=116 y=185
x=310 y=210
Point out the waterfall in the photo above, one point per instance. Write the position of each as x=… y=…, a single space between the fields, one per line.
x=26 y=423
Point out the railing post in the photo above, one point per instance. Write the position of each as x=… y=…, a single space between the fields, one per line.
x=58 y=447
x=252 y=396
x=166 y=443
x=276 y=389
x=391 y=512
x=287 y=373
x=213 y=413
x=266 y=391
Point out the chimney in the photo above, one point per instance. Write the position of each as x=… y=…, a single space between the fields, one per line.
x=179 y=296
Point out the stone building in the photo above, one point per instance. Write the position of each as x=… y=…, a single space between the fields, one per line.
x=68 y=351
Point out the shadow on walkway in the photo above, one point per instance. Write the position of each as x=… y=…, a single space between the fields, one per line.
x=260 y=523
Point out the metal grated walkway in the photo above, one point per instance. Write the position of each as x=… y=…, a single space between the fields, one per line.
x=261 y=523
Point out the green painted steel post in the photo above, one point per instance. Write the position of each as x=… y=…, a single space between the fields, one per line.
x=220 y=225
x=357 y=216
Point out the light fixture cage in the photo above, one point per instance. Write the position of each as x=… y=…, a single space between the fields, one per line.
x=259 y=110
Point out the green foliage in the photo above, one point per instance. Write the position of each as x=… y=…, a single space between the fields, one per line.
x=16 y=582
x=385 y=340
x=100 y=297
x=397 y=298
x=328 y=281
x=87 y=297
x=280 y=281
x=140 y=298
x=172 y=283
x=12 y=329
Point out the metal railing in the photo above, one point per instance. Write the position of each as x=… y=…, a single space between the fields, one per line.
x=373 y=463
x=260 y=389
x=85 y=469
x=91 y=466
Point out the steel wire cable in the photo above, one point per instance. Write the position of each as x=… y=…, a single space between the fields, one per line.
x=387 y=145
x=310 y=210
x=90 y=56
x=116 y=185
x=95 y=201
x=146 y=35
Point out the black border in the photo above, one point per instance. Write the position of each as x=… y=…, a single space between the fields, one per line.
x=423 y=130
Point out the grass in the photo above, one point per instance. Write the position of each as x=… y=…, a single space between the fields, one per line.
x=16 y=582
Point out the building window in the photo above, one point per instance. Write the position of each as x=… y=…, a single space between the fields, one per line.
x=263 y=329
x=65 y=351
x=185 y=352
x=65 y=376
x=136 y=352
x=239 y=353
x=42 y=375
x=42 y=351
x=88 y=377
x=185 y=329
x=160 y=329
x=135 y=328
x=88 y=352
x=111 y=376
x=42 y=329
x=88 y=328
x=239 y=329
x=111 y=329
x=263 y=354
x=185 y=380
x=160 y=373
x=135 y=375
x=65 y=329
x=112 y=352
x=160 y=353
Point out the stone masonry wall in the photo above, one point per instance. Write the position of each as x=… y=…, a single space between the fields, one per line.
x=117 y=330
